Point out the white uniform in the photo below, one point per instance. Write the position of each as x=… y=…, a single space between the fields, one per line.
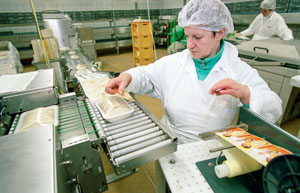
x=189 y=108
x=268 y=27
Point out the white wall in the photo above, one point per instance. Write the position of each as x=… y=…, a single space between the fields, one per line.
x=170 y=4
x=77 y=5
x=8 y=6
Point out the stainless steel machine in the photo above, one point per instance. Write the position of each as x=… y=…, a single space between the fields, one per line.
x=23 y=92
x=62 y=27
x=277 y=61
x=66 y=157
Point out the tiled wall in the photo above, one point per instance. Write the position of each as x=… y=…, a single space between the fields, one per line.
x=19 y=11
x=76 y=5
x=171 y=4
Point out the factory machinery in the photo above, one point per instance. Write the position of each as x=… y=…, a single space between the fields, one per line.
x=278 y=62
x=52 y=130
x=65 y=156
x=279 y=174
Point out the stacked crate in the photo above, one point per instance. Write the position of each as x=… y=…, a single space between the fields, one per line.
x=142 y=43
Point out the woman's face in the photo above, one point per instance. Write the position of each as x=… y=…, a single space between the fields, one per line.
x=202 y=43
x=265 y=12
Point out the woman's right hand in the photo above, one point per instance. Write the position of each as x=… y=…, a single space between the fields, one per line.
x=118 y=84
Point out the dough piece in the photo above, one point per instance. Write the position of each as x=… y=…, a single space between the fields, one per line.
x=37 y=117
x=75 y=57
x=72 y=52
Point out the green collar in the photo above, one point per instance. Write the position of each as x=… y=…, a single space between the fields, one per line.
x=203 y=67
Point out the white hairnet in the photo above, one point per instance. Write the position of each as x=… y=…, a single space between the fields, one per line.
x=268 y=4
x=209 y=15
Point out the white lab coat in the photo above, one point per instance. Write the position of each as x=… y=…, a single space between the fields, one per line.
x=273 y=25
x=189 y=108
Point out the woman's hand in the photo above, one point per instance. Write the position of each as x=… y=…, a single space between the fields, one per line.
x=233 y=88
x=118 y=84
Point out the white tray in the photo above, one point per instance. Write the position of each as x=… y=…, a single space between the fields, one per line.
x=56 y=122
x=117 y=117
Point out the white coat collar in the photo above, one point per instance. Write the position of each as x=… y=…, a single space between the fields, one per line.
x=222 y=64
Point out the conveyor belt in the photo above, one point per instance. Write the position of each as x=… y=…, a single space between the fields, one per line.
x=132 y=137
x=74 y=120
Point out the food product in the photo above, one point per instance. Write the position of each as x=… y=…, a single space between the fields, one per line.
x=75 y=57
x=94 y=89
x=37 y=117
x=81 y=66
x=113 y=105
x=72 y=52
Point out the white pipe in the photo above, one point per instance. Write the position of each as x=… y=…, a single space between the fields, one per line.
x=138 y=146
x=135 y=141
x=129 y=127
x=138 y=153
x=129 y=132
x=133 y=136
x=130 y=122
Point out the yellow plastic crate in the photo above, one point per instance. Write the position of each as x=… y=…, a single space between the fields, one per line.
x=142 y=61
x=143 y=52
x=142 y=40
x=141 y=27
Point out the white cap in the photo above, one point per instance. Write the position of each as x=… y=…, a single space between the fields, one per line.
x=268 y=4
x=222 y=170
x=211 y=15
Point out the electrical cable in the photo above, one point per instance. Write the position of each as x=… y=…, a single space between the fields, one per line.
x=217 y=159
x=41 y=39
x=39 y=32
x=148 y=9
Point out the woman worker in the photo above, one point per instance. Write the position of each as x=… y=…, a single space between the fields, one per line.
x=201 y=87
x=268 y=24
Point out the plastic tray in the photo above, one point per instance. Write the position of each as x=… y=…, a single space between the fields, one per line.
x=21 y=120
x=117 y=117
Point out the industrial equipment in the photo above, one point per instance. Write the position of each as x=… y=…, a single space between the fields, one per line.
x=28 y=161
x=133 y=141
x=87 y=42
x=285 y=167
x=62 y=27
x=277 y=61
x=196 y=161
x=26 y=91
x=72 y=148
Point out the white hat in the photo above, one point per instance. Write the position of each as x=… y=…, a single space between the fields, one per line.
x=268 y=4
x=211 y=15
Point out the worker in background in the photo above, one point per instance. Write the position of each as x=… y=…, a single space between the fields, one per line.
x=201 y=87
x=268 y=24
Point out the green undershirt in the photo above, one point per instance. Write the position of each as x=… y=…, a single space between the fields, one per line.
x=203 y=67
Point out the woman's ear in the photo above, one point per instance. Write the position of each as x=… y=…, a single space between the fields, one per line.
x=221 y=33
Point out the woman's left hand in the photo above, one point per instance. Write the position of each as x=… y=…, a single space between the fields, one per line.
x=233 y=88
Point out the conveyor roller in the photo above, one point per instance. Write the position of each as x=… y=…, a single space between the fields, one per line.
x=132 y=137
